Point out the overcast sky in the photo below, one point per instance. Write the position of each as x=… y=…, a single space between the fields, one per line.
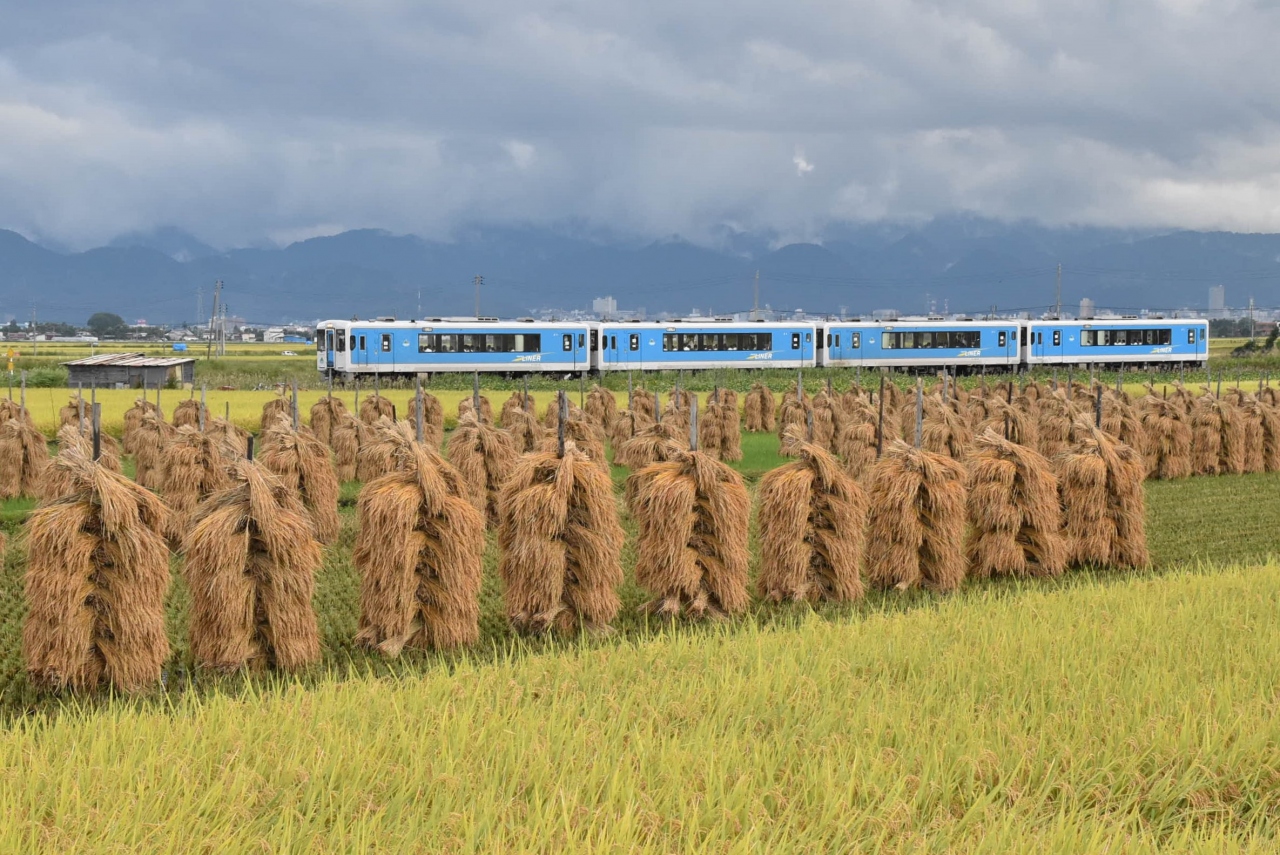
x=244 y=120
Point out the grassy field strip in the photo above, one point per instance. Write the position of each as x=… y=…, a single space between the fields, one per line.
x=1135 y=717
x=246 y=405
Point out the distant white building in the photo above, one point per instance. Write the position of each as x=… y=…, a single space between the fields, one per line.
x=605 y=307
x=1087 y=309
x=1217 y=298
x=273 y=334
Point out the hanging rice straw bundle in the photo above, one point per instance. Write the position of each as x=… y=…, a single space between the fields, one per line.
x=302 y=464
x=1015 y=520
x=981 y=408
x=520 y=402
x=551 y=417
x=377 y=446
x=276 y=408
x=676 y=414
x=625 y=425
x=601 y=407
x=374 y=407
x=586 y=437
x=187 y=413
x=1054 y=417
x=657 y=442
x=466 y=406
x=1182 y=397
x=251 y=560
x=132 y=420
x=944 y=431
x=1121 y=421
x=855 y=442
x=561 y=544
x=1033 y=392
x=96 y=579
x=233 y=440
x=419 y=551
x=1168 y=439
x=644 y=404
x=794 y=410
x=1253 y=450
x=825 y=418
x=1012 y=422
x=693 y=514
x=711 y=428
x=811 y=521
x=1100 y=491
x=1269 y=418
x=193 y=468
x=1267 y=395
x=725 y=412
x=1217 y=438
x=917 y=519
x=432 y=418
x=525 y=429
x=344 y=438
x=149 y=440
x=70 y=414
x=325 y=413
x=56 y=482
x=484 y=456
x=758 y=409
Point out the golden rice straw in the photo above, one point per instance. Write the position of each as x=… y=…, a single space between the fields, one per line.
x=302 y=464
x=586 y=437
x=644 y=404
x=944 y=432
x=1217 y=438
x=325 y=413
x=825 y=418
x=344 y=438
x=526 y=432
x=466 y=406
x=600 y=407
x=149 y=440
x=187 y=414
x=794 y=411
x=1168 y=439
x=276 y=408
x=1015 y=521
x=378 y=442
x=725 y=411
x=55 y=481
x=251 y=562
x=626 y=425
x=1253 y=449
x=915 y=529
x=758 y=409
x=132 y=420
x=855 y=441
x=96 y=578
x=1100 y=491
x=520 y=402
x=193 y=468
x=693 y=513
x=419 y=551
x=561 y=544
x=233 y=440
x=71 y=413
x=811 y=521
x=484 y=456
x=374 y=407
x=1054 y=417
x=432 y=418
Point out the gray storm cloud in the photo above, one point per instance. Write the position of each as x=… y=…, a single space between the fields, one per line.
x=243 y=120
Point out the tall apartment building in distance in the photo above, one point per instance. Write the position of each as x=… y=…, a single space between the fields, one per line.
x=1217 y=298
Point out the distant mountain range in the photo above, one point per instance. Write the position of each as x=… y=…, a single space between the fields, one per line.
x=958 y=263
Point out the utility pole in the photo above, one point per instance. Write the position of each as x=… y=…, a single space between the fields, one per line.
x=1251 y=319
x=213 y=318
x=479 y=280
x=35 y=347
x=755 y=304
x=1058 y=311
x=222 y=332
x=199 y=302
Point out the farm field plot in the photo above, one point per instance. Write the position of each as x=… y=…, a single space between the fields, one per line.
x=1133 y=715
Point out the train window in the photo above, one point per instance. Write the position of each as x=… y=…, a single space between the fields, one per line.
x=829 y=339
x=362 y=344
x=568 y=341
x=942 y=339
x=1039 y=338
x=1002 y=339
x=595 y=341
x=1202 y=334
x=1022 y=336
x=837 y=340
x=582 y=340
x=341 y=338
x=714 y=342
x=808 y=337
x=613 y=342
x=1057 y=338
x=635 y=341
x=795 y=341
x=1149 y=337
x=353 y=342
x=855 y=340
x=386 y=342
x=1191 y=336
x=319 y=341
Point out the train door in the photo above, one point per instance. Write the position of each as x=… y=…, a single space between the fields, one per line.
x=1007 y=345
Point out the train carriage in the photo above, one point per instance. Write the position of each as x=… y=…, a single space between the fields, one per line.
x=653 y=346
x=418 y=347
x=1129 y=341
x=920 y=344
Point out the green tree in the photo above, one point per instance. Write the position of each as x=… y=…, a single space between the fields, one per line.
x=107 y=325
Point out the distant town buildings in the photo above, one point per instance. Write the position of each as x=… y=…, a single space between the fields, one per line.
x=1217 y=299
x=1087 y=309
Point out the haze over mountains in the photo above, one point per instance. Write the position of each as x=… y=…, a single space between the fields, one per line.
x=960 y=262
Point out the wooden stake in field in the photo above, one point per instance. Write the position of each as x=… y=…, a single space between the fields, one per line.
x=302 y=464
x=1015 y=521
x=811 y=524
x=251 y=560
x=693 y=513
x=1100 y=491
x=758 y=409
x=561 y=543
x=432 y=417
x=476 y=402
x=419 y=552
x=917 y=519
x=96 y=578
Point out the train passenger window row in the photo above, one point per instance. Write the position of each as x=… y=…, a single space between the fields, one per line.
x=715 y=341
x=468 y=343
x=1103 y=338
x=943 y=339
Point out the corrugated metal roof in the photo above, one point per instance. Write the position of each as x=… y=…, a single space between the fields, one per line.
x=131 y=360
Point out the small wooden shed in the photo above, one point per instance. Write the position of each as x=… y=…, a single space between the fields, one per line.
x=131 y=369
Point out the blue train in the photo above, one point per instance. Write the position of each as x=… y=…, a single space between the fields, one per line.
x=390 y=347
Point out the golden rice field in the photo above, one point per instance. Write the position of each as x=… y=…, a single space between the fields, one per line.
x=1120 y=715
